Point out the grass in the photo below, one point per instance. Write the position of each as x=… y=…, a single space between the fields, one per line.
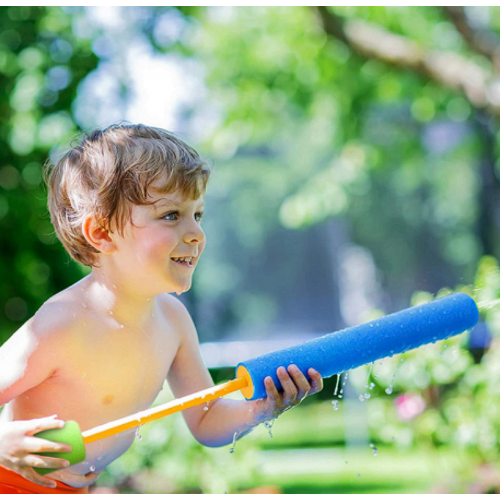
x=309 y=453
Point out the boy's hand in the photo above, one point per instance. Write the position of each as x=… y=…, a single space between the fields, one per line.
x=295 y=388
x=18 y=448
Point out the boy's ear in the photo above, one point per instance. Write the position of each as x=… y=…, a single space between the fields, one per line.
x=97 y=235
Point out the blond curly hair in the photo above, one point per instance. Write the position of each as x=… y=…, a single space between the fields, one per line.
x=111 y=170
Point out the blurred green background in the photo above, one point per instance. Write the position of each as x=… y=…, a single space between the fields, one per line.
x=355 y=173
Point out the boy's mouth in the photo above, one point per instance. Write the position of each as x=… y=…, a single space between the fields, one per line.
x=184 y=261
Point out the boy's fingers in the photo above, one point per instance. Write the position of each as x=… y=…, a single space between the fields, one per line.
x=272 y=392
x=290 y=391
x=42 y=424
x=300 y=381
x=317 y=381
x=38 y=445
x=32 y=476
x=45 y=462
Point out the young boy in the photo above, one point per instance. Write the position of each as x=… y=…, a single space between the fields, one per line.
x=128 y=202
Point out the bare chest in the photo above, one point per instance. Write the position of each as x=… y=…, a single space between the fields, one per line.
x=105 y=375
x=122 y=371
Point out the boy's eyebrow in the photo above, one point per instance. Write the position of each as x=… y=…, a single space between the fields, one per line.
x=167 y=201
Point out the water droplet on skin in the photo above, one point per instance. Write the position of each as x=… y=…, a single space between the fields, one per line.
x=111 y=312
x=121 y=326
x=114 y=286
x=268 y=426
x=234 y=442
x=92 y=468
x=206 y=407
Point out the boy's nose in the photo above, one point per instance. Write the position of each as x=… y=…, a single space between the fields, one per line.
x=195 y=235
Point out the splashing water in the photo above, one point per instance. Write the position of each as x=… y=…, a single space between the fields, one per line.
x=343 y=385
x=444 y=347
x=389 y=389
x=488 y=304
x=234 y=442
x=369 y=373
x=335 y=404
x=337 y=385
x=92 y=468
x=269 y=424
x=137 y=435
x=374 y=449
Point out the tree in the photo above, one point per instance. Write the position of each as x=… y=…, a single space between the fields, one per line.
x=378 y=116
x=42 y=62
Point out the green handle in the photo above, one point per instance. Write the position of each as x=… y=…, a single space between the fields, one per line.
x=69 y=434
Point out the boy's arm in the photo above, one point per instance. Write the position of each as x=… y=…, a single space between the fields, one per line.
x=226 y=418
x=27 y=359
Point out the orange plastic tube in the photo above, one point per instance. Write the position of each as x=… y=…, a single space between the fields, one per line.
x=143 y=417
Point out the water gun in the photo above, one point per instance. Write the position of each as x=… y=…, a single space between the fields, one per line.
x=330 y=355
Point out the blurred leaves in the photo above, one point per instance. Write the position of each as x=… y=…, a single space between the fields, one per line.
x=42 y=62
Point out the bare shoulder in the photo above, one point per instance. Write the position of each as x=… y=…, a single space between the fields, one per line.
x=35 y=351
x=177 y=315
x=58 y=317
x=172 y=307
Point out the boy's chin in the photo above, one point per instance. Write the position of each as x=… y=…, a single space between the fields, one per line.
x=182 y=289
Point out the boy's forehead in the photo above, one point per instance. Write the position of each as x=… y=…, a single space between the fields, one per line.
x=175 y=197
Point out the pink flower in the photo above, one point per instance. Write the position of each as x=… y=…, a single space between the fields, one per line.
x=408 y=406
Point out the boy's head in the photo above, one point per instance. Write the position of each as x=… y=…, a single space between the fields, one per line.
x=110 y=171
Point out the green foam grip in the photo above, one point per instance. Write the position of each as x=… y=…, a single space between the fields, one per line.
x=69 y=434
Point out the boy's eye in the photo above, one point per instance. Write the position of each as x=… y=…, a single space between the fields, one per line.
x=198 y=216
x=171 y=216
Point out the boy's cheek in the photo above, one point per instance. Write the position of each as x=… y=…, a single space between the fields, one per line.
x=202 y=246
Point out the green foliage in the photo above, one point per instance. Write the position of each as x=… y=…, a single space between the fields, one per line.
x=42 y=63
x=458 y=394
x=395 y=154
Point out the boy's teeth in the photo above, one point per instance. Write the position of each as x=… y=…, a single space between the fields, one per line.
x=183 y=259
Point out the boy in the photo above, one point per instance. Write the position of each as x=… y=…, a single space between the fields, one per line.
x=128 y=202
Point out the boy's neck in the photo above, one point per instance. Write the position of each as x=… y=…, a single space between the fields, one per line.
x=111 y=297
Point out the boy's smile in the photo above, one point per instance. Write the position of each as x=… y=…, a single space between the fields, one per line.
x=162 y=245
